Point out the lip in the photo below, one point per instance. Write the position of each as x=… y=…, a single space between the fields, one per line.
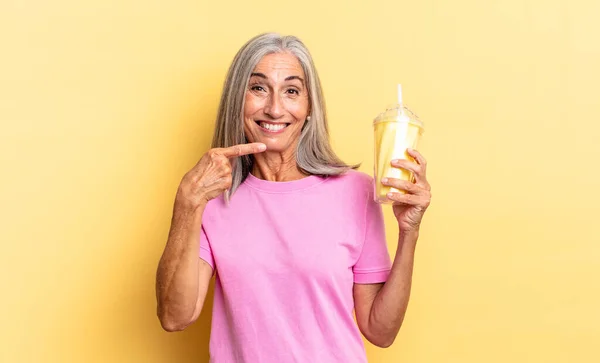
x=272 y=123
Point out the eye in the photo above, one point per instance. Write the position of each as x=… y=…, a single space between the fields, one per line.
x=293 y=91
x=257 y=88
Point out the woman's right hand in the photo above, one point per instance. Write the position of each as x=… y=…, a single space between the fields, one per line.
x=211 y=176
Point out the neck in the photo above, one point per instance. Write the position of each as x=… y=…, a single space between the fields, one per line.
x=276 y=167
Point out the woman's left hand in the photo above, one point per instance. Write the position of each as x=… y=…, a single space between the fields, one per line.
x=409 y=208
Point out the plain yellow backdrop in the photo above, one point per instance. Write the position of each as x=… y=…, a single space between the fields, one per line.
x=104 y=105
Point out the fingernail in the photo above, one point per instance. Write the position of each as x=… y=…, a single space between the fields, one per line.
x=390 y=194
x=395 y=161
x=262 y=147
x=384 y=180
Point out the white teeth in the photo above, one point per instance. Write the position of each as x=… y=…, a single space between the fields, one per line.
x=272 y=127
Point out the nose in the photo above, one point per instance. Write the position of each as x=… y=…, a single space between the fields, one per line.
x=274 y=106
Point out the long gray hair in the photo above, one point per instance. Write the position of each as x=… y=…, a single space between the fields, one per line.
x=314 y=154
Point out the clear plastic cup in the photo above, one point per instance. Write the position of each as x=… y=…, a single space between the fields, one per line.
x=396 y=130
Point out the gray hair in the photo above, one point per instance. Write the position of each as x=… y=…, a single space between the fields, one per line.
x=314 y=154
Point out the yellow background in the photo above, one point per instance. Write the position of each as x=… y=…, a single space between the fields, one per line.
x=106 y=104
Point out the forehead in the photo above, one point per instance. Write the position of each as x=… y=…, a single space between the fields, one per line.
x=285 y=64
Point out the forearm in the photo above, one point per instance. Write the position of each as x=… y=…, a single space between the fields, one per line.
x=391 y=302
x=177 y=277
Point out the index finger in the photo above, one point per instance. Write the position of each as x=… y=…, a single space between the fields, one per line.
x=243 y=149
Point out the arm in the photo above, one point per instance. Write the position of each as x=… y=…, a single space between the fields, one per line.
x=182 y=278
x=380 y=308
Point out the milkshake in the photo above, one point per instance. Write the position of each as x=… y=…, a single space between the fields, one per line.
x=396 y=130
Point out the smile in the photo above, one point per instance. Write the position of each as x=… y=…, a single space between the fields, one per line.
x=272 y=127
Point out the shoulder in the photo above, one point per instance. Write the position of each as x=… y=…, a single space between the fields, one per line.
x=356 y=178
x=219 y=208
x=214 y=207
x=357 y=181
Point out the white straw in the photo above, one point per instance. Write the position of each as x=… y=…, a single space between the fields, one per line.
x=399 y=94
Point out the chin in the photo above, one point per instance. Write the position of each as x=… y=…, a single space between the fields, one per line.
x=275 y=146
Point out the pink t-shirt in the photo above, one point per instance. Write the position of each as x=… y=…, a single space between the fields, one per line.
x=286 y=256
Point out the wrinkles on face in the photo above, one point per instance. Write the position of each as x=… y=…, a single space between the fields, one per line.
x=276 y=108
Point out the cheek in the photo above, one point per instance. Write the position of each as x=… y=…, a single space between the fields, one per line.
x=249 y=106
x=250 y=137
x=299 y=110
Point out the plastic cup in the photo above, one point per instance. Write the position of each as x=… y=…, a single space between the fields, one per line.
x=396 y=130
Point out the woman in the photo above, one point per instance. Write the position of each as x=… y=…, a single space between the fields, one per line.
x=293 y=234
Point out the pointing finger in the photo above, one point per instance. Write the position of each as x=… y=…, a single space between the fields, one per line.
x=243 y=149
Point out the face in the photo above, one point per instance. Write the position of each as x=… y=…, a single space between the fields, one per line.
x=276 y=103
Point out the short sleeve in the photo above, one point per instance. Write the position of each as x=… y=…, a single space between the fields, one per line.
x=373 y=264
x=205 y=250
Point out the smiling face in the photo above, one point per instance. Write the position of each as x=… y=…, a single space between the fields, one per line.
x=276 y=104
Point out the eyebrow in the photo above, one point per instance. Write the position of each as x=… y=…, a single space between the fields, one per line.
x=286 y=79
x=294 y=77
x=258 y=75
